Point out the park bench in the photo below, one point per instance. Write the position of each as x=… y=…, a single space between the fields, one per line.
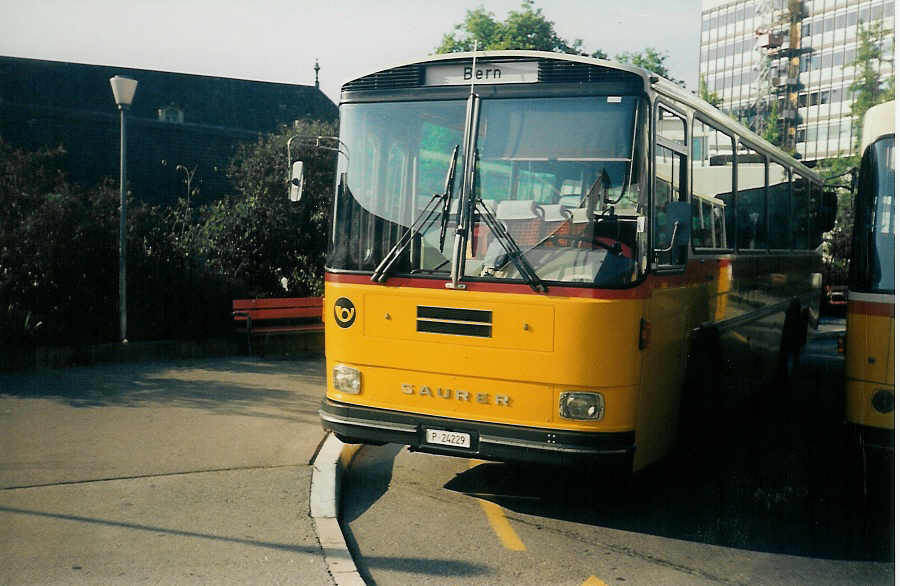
x=263 y=317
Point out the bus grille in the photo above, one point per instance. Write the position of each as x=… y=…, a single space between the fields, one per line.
x=454 y=321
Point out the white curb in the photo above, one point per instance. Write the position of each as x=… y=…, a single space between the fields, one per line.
x=324 y=502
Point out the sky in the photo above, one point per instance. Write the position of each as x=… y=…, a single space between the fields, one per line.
x=280 y=40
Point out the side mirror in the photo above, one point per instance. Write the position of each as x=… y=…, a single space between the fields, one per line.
x=296 y=191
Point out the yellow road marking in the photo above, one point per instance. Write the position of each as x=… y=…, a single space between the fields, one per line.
x=347 y=454
x=500 y=525
x=498 y=521
x=593 y=581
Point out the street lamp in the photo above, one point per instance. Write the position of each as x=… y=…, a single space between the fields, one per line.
x=123 y=89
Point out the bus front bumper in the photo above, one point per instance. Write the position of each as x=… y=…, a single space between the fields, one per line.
x=488 y=441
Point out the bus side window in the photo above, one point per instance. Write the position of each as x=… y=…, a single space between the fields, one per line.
x=670 y=229
x=704 y=228
x=779 y=207
x=712 y=186
x=800 y=212
x=751 y=199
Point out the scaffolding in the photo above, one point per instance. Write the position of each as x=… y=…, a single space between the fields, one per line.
x=778 y=71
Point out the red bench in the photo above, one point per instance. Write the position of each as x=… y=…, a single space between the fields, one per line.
x=277 y=316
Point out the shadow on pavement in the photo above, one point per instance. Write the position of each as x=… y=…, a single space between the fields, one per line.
x=162 y=530
x=774 y=477
x=286 y=389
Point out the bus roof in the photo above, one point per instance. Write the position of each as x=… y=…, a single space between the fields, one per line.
x=877 y=122
x=512 y=54
x=650 y=80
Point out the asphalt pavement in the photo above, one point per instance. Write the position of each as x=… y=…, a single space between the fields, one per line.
x=169 y=472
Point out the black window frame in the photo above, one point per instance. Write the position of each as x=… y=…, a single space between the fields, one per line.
x=717 y=250
x=679 y=149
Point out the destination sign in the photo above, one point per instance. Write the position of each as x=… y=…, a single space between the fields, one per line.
x=483 y=72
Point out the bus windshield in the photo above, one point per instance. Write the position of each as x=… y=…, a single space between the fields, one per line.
x=872 y=265
x=563 y=176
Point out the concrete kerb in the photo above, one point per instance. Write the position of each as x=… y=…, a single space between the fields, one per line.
x=329 y=467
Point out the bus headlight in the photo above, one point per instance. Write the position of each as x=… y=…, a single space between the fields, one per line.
x=580 y=405
x=346 y=379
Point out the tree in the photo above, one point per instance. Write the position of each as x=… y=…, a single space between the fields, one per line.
x=259 y=240
x=526 y=29
x=838 y=242
x=649 y=59
x=868 y=88
x=58 y=252
x=706 y=95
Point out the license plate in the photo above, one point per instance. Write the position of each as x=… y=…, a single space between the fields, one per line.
x=448 y=438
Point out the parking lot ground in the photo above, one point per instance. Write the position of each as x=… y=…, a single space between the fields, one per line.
x=178 y=472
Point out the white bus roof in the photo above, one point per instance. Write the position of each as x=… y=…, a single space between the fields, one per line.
x=878 y=122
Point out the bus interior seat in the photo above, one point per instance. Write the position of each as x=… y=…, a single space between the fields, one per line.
x=523 y=220
x=570 y=201
x=554 y=212
x=557 y=220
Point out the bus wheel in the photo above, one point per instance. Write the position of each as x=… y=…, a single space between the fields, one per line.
x=792 y=338
x=701 y=393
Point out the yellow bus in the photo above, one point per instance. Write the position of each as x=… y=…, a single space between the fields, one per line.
x=870 y=309
x=529 y=250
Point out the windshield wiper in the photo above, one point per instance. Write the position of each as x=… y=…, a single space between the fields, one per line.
x=448 y=191
x=513 y=252
x=426 y=216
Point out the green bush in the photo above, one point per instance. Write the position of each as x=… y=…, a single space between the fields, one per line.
x=59 y=248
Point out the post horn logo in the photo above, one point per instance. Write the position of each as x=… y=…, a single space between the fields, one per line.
x=344 y=312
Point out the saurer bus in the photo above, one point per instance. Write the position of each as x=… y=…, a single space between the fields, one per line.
x=528 y=248
x=870 y=312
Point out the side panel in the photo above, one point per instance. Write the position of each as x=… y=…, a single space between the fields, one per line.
x=662 y=375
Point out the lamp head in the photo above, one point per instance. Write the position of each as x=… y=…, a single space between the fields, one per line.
x=123 y=90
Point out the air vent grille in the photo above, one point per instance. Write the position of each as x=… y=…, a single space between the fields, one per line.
x=400 y=77
x=549 y=71
x=454 y=321
x=573 y=72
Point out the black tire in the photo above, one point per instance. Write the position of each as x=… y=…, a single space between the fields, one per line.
x=793 y=337
x=702 y=386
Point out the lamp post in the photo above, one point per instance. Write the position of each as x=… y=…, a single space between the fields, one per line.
x=123 y=89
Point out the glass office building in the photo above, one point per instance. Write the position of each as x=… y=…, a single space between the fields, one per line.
x=750 y=48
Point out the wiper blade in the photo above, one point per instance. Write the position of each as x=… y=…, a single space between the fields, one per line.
x=426 y=216
x=448 y=195
x=511 y=248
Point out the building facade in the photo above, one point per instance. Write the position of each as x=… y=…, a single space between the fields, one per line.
x=176 y=124
x=796 y=56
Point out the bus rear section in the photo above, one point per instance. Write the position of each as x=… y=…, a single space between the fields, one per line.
x=492 y=375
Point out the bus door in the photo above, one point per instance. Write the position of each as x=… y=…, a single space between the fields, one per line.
x=664 y=357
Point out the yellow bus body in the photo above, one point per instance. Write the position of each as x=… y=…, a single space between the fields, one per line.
x=540 y=340
x=500 y=379
x=870 y=362
x=869 y=367
x=540 y=347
